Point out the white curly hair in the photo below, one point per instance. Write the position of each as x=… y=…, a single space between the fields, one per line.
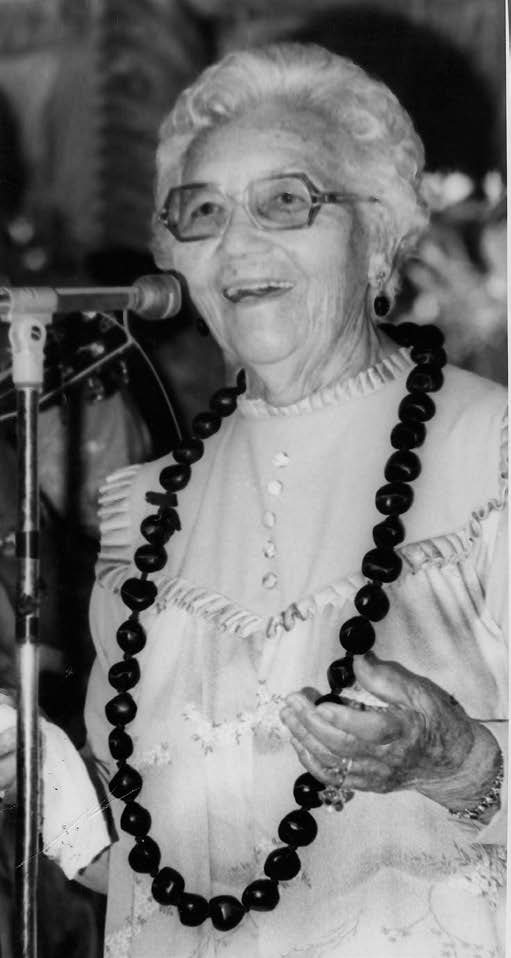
x=387 y=155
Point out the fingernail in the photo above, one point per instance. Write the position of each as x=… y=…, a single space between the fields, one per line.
x=295 y=702
x=326 y=712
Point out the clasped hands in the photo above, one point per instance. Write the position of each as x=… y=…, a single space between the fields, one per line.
x=421 y=739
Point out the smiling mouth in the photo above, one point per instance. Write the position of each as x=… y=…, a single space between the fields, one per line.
x=260 y=290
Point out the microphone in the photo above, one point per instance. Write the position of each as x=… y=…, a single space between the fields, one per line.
x=151 y=297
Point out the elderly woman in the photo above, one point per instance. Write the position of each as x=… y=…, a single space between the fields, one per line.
x=298 y=612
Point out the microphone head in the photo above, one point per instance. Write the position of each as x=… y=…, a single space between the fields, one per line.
x=156 y=297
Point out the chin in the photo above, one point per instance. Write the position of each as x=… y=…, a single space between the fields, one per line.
x=259 y=353
x=269 y=341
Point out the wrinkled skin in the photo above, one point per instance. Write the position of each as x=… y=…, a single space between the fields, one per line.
x=423 y=739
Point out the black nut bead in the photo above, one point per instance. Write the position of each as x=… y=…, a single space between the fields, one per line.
x=389 y=533
x=372 y=602
x=394 y=498
x=305 y=793
x=120 y=744
x=138 y=594
x=121 y=710
x=135 y=819
x=205 y=424
x=424 y=355
x=340 y=674
x=283 y=864
x=225 y=912
x=261 y=895
x=131 y=637
x=126 y=784
x=416 y=407
x=382 y=565
x=404 y=334
x=145 y=855
x=331 y=698
x=168 y=886
x=429 y=335
x=427 y=377
x=298 y=828
x=150 y=558
x=357 y=635
x=158 y=529
x=402 y=466
x=124 y=675
x=408 y=435
x=193 y=909
x=174 y=478
x=224 y=401
x=189 y=451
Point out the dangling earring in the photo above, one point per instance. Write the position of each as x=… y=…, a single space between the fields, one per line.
x=381 y=304
x=381 y=288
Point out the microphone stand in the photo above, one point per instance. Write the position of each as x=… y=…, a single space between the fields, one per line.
x=27 y=335
x=28 y=312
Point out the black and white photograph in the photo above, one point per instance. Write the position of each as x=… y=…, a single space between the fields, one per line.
x=254 y=555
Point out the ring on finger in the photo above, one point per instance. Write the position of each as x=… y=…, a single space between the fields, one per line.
x=335 y=797
x=341 y=770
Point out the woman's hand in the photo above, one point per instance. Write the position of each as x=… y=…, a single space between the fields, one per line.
x=7 y=747
x=421 y=739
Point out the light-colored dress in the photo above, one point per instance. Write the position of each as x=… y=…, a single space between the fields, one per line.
x=275 y=522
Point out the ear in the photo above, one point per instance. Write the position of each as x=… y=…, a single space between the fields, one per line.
x=382 y=248
x=379 y=270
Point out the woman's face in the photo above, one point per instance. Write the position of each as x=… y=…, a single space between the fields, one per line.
x=321 y=269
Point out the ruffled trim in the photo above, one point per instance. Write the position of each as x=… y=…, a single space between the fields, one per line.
x=364 y=383
x=227 y=616
x=115 y=516
x=115 y=561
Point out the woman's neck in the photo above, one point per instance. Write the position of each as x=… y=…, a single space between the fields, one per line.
x=284 y=383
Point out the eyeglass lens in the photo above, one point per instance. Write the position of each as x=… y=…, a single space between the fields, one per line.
x=202 y=210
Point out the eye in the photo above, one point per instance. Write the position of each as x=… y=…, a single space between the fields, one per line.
x=203 y=210
x=200 y=208
x=282 y=202
x=289 y=201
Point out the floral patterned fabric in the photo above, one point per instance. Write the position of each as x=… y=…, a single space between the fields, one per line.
x=275 y=522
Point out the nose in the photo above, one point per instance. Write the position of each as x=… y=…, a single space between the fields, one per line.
x=241 y=233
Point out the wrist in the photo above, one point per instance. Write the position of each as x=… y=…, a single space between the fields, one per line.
x=474 y=779
x=488 y=804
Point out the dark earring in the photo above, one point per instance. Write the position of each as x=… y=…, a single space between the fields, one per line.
x=202 y=329
x=381 y=304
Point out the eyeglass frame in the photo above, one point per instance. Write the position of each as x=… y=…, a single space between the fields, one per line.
x=318 y=199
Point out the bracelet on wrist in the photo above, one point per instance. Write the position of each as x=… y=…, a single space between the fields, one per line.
x=491 y=799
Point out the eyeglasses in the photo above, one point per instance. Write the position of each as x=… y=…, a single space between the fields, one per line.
x=200 y=211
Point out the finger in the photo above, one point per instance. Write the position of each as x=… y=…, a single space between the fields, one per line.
x=308 y=725
x=341 y=728
x=328 y=774
x=386 y=680
x=370 y=775
x=364 y=775
x=8 y=741
x=310 y=742
x=7 y=771
x=361 y=730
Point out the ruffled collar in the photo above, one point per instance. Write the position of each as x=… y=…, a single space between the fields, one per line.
x=365 y=382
